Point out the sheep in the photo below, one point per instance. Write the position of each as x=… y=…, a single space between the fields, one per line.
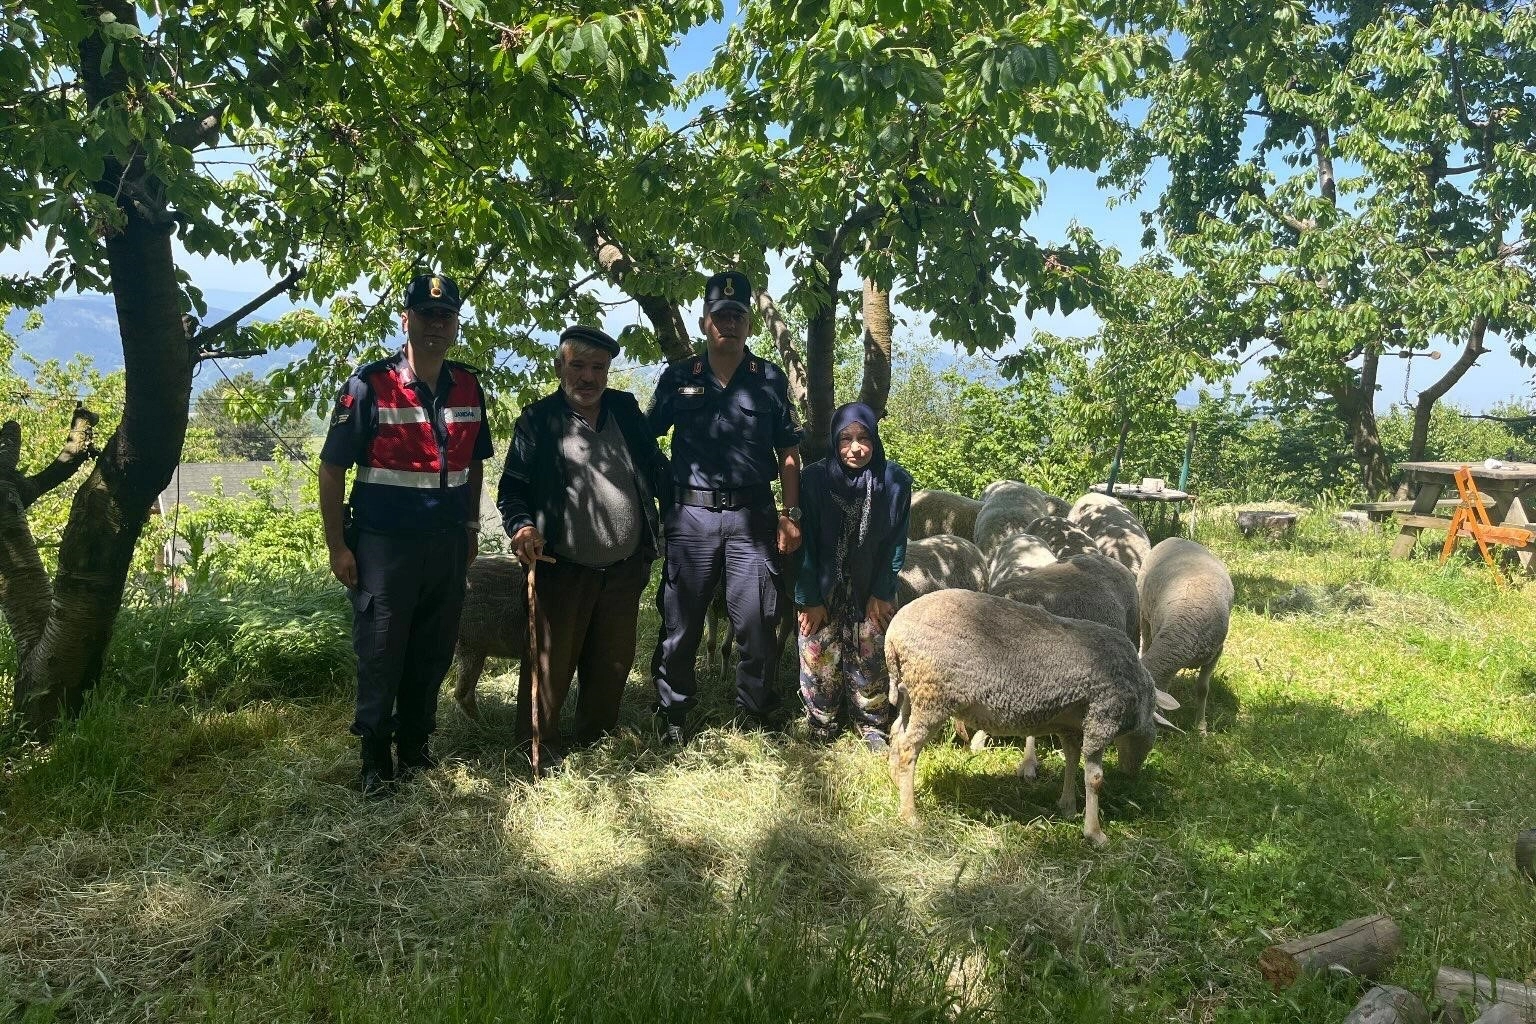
x=1064 y=539
x=1116 y=531
x=1016 y=556
x=1017 y=670
x=1091 y=587
x=1186 y=609
x=940 y=512
x=1007 y=506
x=494 y=623
x=940 y=562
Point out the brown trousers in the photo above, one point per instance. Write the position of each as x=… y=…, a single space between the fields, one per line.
x=585 y=620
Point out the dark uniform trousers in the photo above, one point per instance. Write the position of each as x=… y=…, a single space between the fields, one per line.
x=585 y=619
x=702 y=544
x=405 y=623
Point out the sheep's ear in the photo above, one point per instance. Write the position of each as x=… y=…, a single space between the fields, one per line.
x=1160 y=720
x=1165 y=701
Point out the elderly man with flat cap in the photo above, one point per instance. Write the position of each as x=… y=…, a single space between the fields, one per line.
x=734 y=432
x=581 y=485
x=414 y=426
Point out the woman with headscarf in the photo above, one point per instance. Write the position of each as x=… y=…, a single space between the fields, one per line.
x=855 y=505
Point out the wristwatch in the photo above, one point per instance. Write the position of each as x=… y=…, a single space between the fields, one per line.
x=792 y=513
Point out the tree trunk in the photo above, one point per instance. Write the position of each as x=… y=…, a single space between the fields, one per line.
x=1357 y=408
x=1432 y=394
x=821 y=360
x=109 y=511
x=790 y=359
x=876 y=389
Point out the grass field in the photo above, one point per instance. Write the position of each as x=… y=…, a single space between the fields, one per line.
x=1373 y=732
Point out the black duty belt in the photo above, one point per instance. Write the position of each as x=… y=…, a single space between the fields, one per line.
x=720 y=501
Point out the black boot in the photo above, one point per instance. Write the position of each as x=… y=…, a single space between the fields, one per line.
x=378 y=776
x=415 y=755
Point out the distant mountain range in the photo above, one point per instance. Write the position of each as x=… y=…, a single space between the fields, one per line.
x=87 y=325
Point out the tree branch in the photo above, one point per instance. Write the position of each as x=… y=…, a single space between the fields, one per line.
x=790 y=357
x=79 y=446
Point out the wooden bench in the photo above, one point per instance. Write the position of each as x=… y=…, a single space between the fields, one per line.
x=1378 y=511
x=1442 y=523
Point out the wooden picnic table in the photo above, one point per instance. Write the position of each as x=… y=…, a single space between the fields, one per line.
x=1165 y=498
x=1510 y=486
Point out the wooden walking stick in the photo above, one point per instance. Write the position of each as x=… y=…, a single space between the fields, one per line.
x=533 y=667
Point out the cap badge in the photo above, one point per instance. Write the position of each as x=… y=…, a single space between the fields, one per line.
x=730 y=288
x=437 y=287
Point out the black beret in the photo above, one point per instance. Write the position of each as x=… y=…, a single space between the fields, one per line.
x=590 y=336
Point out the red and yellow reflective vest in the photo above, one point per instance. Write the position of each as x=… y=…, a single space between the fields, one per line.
x=413 y=447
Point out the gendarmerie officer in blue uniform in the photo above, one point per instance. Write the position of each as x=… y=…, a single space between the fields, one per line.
x=733 y=433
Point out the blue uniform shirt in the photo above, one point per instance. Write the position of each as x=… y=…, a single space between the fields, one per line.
x=724 y=437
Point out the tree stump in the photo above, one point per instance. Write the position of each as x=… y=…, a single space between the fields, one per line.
x=1354 y=522
x=1273 y=524
x=1388 y=1004
x=1525 y=853
x=1365 y=946
x=1452 y=985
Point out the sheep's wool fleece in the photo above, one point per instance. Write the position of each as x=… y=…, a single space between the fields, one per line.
x=1018 y=555
x=1064 y=538
x=1016 y=670
x=940 y=563
x=941 y=512
x=1090 y=587
x=1113 y=527
x=1186 y=606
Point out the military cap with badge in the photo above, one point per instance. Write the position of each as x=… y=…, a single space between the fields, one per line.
x=728 y=290
x=433 y=291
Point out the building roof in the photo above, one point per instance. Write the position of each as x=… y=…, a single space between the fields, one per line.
x=195 y=480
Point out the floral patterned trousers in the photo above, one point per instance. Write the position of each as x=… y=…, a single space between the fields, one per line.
x=837 y=675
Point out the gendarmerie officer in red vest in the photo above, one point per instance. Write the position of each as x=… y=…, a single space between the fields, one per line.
x=414 y=425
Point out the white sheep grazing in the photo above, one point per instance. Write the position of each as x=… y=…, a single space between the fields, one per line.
x=1007 y=507
x=1064 y=538
x=1091 y=587
x=941 y=562
x=1186 y=609
x=1016 y=556
x=1113 y=527
x=939 y=512
x=1016 y=670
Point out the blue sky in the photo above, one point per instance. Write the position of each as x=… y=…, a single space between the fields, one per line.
x=1070 y=196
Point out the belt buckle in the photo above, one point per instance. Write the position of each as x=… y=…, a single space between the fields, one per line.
x=717 y=501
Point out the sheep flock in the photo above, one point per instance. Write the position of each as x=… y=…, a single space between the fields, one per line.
x=1048 y=618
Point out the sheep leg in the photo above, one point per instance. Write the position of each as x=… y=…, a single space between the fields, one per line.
x=904 y=764
x=978 y=741
x=1093 y=781
x=471 y=664
x=1071 y=748
x=1029 y=768
x=1203 y=690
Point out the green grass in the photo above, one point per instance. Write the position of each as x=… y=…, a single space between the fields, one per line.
x=1373 y=726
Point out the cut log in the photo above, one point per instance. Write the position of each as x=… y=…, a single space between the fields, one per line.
x=1365 y=946
x=1501 y=1013
x=1452 y=985
x=1525 y=853
x=1388 y=1004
